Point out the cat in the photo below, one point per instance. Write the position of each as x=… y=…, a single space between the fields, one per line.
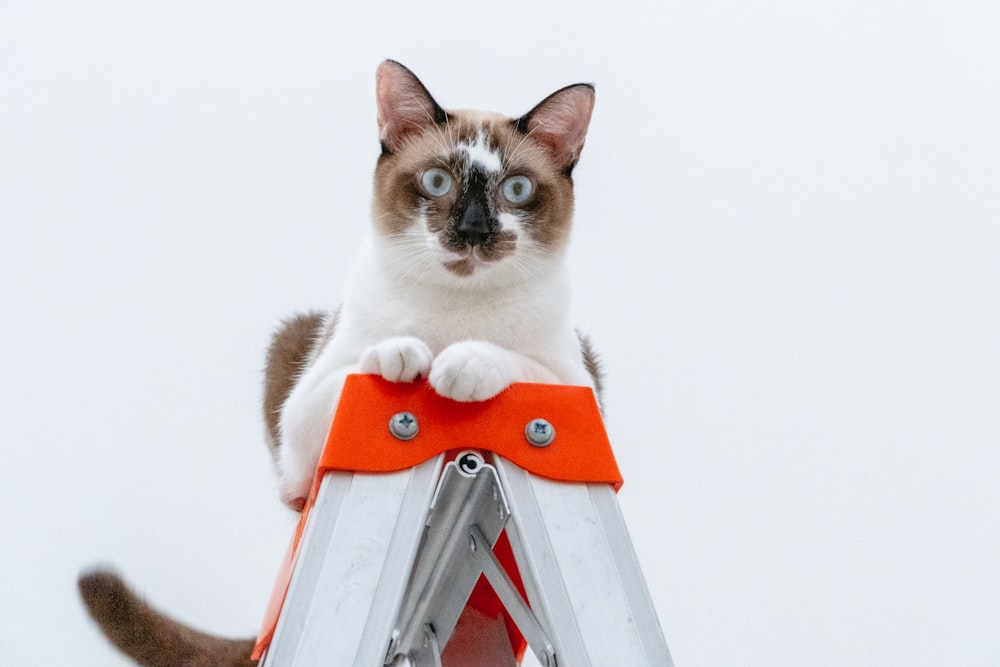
x=463 y=281
x=462 y=284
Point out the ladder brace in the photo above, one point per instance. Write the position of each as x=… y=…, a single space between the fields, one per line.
x=468 y=513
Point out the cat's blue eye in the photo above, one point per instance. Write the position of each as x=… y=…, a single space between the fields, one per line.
x=516 y=189
x=436 y=181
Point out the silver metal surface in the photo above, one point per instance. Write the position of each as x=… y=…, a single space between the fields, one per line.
x=360 y=539
x=387 y=563
x=512 y=601
x=404 y=426
x=540 y=432
x=580 y=571
x=446 y=572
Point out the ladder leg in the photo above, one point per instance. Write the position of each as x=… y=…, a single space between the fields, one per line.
x=583 y=579
x=361 y=537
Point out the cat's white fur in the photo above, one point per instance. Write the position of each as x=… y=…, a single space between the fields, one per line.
x=400 y=324
x=406 y=315
x=479 y=153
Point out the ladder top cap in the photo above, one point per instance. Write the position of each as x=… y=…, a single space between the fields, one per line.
x=360 y=438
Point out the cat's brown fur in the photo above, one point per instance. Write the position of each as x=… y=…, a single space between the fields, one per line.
x=150 y=637
x=397 y=197
x=291 y=349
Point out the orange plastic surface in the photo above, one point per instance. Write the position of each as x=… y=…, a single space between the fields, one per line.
x=360 y=441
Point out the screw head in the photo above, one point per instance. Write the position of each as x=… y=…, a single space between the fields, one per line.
x=403 y=426
x=470 y=463
x=540 y=433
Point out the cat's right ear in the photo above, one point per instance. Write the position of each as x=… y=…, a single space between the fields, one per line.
x=404 y=105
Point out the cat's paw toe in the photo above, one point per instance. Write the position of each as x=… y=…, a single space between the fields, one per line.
x=293 y=493
x=470 y=371
x=402 y=359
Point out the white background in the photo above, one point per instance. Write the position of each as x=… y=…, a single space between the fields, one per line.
x=786 y=249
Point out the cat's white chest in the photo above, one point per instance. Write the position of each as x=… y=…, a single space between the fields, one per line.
x=526 y=317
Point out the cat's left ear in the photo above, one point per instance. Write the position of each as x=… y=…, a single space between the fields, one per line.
x=404 y=105
x=559 y=123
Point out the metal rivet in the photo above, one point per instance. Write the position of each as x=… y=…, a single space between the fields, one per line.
x=470 y=463
x=539 y=432
x=403 y=426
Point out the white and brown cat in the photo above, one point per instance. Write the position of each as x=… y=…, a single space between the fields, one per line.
x=462 y=283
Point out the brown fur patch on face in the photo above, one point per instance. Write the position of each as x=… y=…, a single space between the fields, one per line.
x=501 y=245
x=399 y=199
x=461 y=267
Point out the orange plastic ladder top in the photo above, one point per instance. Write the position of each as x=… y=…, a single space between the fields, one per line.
x=360 y=441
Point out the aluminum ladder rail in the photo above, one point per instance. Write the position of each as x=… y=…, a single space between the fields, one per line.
x=387 y=559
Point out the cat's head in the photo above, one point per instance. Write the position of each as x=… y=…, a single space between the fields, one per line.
x=463 y=196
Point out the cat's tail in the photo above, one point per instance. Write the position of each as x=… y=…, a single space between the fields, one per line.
x=150 y=637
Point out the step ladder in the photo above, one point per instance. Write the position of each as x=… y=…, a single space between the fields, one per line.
x=462 y=534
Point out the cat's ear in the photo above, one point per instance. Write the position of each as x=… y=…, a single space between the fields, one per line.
x=404 y=105
x=559 y=123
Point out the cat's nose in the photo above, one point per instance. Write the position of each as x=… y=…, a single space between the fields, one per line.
x=474 y=227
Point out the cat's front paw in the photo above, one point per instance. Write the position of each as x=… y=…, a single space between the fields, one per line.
x=293 y=493
x=401 y=359
x=472 y=371
x=295 y=477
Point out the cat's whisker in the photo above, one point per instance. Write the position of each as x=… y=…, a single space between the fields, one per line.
x=523 y=137
x=443 y=144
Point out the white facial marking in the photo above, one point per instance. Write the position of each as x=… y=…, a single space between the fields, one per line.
x=480 y=154
x=509 y=221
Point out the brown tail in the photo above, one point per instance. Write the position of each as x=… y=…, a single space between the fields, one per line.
x=148 y=636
